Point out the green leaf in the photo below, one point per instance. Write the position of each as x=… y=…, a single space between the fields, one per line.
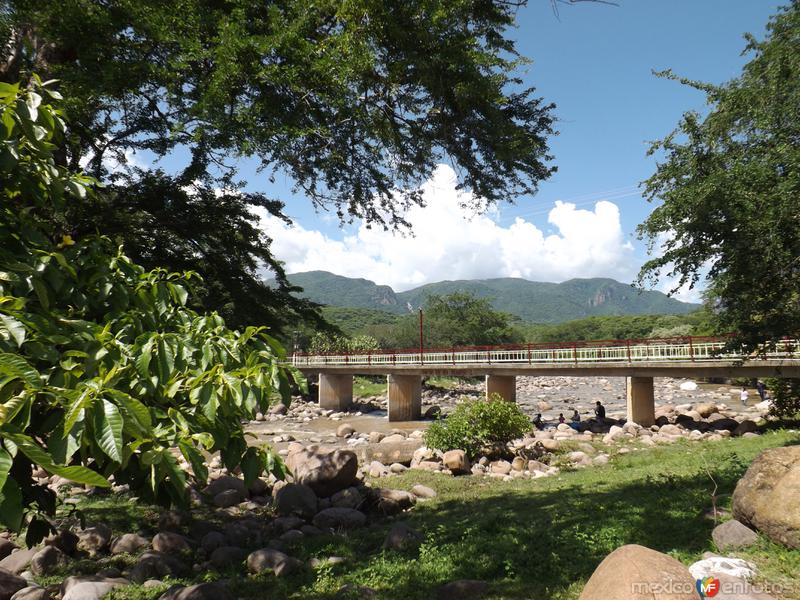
x=191 y=454
x=16 y=366
x=75 y=410
x=108 y=429
x=15 y=329
x=252 y=465
x=11 y=508
x=31 y=449
x=80 y=474
x=177 y=476
x=5 y=466
x=135 y=408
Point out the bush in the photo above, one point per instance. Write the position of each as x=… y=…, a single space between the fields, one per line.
x=104 y=370
x=477 y=424
x=785 y=394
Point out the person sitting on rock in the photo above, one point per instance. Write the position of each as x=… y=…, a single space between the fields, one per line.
x=561 y=418
x=537 y=421
x=600 y=412
x=575 y=420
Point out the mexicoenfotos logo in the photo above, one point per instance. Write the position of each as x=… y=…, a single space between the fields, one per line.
x=708 y=587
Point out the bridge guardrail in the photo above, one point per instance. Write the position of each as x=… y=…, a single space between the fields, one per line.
x=578 y=353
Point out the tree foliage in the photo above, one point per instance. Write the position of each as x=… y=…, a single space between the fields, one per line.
x=476 y=425
x=457 y=319
x=103 y=369
x=355 y=101
x=728 y=188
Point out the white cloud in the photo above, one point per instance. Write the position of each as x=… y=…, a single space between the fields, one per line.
x=448 y=243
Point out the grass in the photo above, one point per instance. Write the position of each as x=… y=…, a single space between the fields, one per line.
x=530 y=539
x=365 y=387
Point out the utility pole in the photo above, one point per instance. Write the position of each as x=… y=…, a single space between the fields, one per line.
x=421 y=360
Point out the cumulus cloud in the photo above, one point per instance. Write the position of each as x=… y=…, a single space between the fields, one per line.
x=448 y=243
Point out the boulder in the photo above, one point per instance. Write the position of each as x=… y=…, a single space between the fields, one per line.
x=89 y=587
x=503 y=467
x=201 y=591
x=340 y=518
x=402 y=537
x=227 y=498
x=227 y=556
x=18 y=561
x=10 y=584
x=94 y=539
x=33 y=592
x=732 y=534
x=296 y=499
x=266 y=558
x=6 y=548
x=390 y=502
x=212 y=540
x=423 y=491
x=706 y=409
x=714 y=566
x=768 y=496
x=170 y=543
x=463 y=589
x=347 y=498
x=224 y=483
x=398 y=452
x=64 y=540
x=47 y=560
x=345 y=430
x=155 y=565
x=324 y=472
x=129 y=543
x=457 y=462
x=633 y=572
x=746 y=426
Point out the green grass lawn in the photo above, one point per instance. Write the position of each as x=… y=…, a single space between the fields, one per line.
x=364 y=387
x=530 y=539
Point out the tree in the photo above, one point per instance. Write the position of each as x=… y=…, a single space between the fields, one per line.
x=195 y=228
x=457 y=319
x=728 y=188
x=103 y=368
x=356 y=101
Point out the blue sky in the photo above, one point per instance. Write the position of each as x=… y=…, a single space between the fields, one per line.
x=595 y=63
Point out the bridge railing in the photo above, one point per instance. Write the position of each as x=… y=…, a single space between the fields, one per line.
x=694 y=349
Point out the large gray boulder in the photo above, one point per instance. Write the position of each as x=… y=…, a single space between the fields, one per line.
x=323 y=471
x=732 y=534
x=340 y=518
x=768 y=496
x=10 y=584
x=633 y=572
x=201 y=591
x=296 y=499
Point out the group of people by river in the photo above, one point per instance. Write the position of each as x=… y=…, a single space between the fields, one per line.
x=575 y=419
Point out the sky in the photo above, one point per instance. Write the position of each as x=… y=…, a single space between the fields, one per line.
x=596 y=63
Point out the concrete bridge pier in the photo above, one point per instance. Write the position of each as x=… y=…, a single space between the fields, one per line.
x=335 y=391
x=405 y=397
x=641 y=401
x=504 y=385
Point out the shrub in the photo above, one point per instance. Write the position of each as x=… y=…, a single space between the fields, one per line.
x=103 y=368
x=477 y=424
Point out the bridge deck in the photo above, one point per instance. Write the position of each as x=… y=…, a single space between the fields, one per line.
x=676 y=357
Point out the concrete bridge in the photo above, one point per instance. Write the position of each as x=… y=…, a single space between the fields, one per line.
x=637 y=360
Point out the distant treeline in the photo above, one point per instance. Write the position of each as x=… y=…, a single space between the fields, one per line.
x=462 y=319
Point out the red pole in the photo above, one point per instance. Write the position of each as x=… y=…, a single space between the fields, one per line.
x=421 y=360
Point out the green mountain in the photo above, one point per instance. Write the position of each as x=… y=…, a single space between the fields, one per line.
x=532 y=301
